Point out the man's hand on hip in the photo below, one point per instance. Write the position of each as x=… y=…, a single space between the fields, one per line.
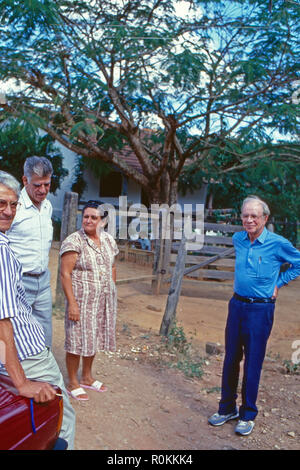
x=275 y=293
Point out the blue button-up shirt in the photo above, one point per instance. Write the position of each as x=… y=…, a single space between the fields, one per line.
x=257 y=266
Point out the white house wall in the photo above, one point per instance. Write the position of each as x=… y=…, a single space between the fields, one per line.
x=92 y=190
x=93 y=186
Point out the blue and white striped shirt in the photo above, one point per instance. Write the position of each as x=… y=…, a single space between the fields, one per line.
x=28 y=333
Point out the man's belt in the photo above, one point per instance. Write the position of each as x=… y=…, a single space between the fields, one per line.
x=33 y=274
x=254 y=300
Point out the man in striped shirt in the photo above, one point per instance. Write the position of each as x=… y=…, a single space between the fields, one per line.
x=23 y=354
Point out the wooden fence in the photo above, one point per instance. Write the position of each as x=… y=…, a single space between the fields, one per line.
x=212 y=261
x=128 y=252
x=208 y=263
x=215 y=260
x=172 y=262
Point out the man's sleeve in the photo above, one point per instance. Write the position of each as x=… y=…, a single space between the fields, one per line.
x=289 y=254
x=8 y=305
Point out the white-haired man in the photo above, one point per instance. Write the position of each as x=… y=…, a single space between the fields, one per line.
x=24 y=355
x=259 y=256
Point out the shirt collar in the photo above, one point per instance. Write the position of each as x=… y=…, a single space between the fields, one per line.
x=28 y=202
x=263 y=235
x=4 y=236
x=261 y=239
x=26 y=199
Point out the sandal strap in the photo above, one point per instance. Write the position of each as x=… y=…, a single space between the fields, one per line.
x=78 y=391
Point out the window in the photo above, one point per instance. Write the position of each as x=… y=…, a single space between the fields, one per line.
x=111 y=185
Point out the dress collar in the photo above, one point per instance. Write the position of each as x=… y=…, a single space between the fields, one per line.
x=89 y=240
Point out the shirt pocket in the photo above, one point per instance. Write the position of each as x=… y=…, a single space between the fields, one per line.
x=265 y=269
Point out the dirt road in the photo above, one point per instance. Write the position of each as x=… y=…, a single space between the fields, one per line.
x=150 y=405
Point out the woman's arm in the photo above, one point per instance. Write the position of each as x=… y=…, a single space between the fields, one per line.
x=68 y=261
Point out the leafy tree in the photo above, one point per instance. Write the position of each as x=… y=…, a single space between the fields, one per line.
x=277 y=182
x=179 y=87
x=18 y=140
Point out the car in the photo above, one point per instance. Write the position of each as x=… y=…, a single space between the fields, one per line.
x=26 y=425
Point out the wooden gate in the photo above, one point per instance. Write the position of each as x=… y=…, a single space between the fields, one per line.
x=215 y=260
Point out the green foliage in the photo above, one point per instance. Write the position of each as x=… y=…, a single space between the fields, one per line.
x=230 y=179
x=19 y=140
x=177 y=343
x=27 y=15
x=291 y=367
x=208 y=81
x=177 y=339
x=191 y=369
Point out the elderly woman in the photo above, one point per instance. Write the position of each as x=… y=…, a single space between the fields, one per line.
x=88 y=276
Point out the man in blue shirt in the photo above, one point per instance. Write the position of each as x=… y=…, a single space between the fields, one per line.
x=259 y=256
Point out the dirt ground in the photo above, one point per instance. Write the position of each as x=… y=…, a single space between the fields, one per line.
x=152 y=405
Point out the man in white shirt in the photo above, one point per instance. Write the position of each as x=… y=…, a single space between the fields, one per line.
x=31 y=236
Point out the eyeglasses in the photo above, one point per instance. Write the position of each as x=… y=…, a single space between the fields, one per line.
x=253 y=216
x=13 y=205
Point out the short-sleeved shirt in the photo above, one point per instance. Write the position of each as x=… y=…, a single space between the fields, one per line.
x=31 y=234
x=28 y=333
x=257 y=266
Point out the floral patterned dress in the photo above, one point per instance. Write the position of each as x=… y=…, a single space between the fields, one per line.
x=95 y=293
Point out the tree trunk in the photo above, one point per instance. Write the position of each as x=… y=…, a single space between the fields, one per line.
x=163 y=246
x=174 y=291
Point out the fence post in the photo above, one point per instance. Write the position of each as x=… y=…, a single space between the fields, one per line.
x=158 y=258
x=68 y=226
x=174 y=291
x=157 y=266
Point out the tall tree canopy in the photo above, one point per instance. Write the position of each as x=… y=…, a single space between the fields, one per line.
x=179 y=82
x=19 y=140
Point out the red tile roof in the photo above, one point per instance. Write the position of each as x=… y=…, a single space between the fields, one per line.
x=130 y=158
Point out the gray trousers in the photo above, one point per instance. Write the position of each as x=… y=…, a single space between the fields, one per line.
x=38 y=295
x=43 y=367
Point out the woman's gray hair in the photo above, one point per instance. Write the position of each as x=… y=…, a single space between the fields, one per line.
x=40 y=166
x=10 y=182
x=251 y=198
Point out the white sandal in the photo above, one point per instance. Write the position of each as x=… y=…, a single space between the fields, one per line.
x=97 y=386
x=76 y=394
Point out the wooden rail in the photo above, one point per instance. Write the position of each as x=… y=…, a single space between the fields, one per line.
x=214 y=261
